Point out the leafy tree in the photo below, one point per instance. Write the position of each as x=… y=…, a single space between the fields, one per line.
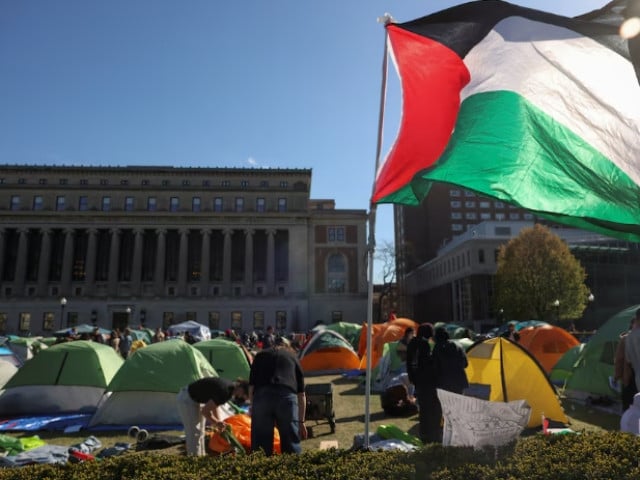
x=535 y=269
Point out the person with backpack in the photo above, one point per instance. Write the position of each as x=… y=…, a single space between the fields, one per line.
x=422 y=374
x=450 y=363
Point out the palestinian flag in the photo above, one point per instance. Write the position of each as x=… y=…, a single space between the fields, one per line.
x=535 y=109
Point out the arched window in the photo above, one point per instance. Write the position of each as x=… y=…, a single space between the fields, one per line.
x=336 y=274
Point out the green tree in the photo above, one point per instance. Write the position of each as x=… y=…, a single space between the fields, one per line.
x=539 y=278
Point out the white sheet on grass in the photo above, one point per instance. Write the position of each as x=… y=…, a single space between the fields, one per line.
x=469 y=421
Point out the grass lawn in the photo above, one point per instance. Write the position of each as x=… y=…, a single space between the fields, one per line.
x=349 y=404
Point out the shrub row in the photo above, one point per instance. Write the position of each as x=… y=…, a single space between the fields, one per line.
x=587 y=456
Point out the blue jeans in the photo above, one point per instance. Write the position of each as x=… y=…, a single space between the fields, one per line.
x=277 y=406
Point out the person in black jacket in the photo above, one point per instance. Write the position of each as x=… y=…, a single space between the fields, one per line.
x=421 y=372
x=450 y=362
x=276 y=391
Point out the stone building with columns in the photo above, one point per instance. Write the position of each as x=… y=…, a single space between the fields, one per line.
x=154 y=246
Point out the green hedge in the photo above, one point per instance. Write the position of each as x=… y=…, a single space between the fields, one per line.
x=585 y=456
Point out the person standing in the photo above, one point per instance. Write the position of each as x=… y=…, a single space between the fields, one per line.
x=276 y=393
x=125 y=343
x=421 y=372
x=450 y=362
x=623 y=372
x=198 y=404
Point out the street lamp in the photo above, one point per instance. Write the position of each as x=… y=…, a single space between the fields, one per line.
x=556 y=304
x=591 y=298
x=128 y=310
x=63 y=303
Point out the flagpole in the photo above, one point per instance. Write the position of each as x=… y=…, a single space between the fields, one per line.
x=372 y=239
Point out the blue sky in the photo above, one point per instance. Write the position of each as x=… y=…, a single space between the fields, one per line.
x=255 y=83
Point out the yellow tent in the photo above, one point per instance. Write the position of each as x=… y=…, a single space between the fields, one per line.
x=513 y=374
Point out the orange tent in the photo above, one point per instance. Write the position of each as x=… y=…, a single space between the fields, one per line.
x=382 y=333
x=547 y=343
x=328 y=352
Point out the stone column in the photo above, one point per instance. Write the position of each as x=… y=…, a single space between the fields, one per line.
x=248 y=261
x=183 y=261
x=21 y=263
x=136 y=270
x=160 y=254
x=205 y=259
x=90 y=267
x=44 y=262
x=226 y=265
x=114 y=261
x=67 y=261
x=271 y=261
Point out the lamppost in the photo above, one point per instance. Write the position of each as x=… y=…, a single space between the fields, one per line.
x=128 y=310
x=63 y=303
x=556 y=304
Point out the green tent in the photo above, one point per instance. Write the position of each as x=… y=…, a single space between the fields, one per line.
x=229 y=359
x=350 y=331
x=594 y=366
x=562 y=370
x=66 y=377
x=144 y=389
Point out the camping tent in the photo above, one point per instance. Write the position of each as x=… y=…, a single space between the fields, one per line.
x=389 y=366
x=511 y=373
x=67 y=377
x=563 y=368
x=328 y=352
x=590 y=376
x=25 y=347
x=144 y=390
x=10 y=356
x=197 y=330
x=7 y=370
x=229 y=359
x=382 y=333
x=547 y=343
x=80 y=329
x=350 y=331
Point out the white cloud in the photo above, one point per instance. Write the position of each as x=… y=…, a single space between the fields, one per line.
x=252 y=161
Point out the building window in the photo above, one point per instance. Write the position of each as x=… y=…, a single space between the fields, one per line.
x=244 y=183
x=152 y=204
x=195 y=204
x=37 y=202
x=225 y=183
x=237 y=291
x=527 y=216
x=128 y=204
x=15 y=202
x=260 y=204
x=470 y=216
x=282 y=205
x=470 y=204
x=191 y=316
x=498 y=205
x=217 y=204
x=454 y=193
x=22 y=181
x=166 y=183
x=514 y=216
x=186 y=183
x=284 y=184
x=42 y=181
x=335 y=234
x=456 y=227
x=63 y=181
x=214 y=320
x=455 y=204
x=84 y=181
x=336 y=274
x=456 y=215
x=500 y=216
x=83 y=203
x=48 y=321
x=144 y=183
x=469 y=193
x=174 y=204
x=25 y=322
x=485 y=216
x=206 y=183
x=239 y=204
x=485 y=205
x=106 y=204
x=236 y=321
x=281 y=320
x=124 y=182
x=104 y=181
x=480 y=256
x=264 y=183
x=167 y=319
x=258 y=320
x=336 y=316
x=60 y=203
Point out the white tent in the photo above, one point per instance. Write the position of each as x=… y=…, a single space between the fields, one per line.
x=197 y=330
